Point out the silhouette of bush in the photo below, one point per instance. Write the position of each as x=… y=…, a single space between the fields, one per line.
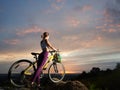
x=98 y=79
x=117 y=66
x=95 y=70
x=70 y=85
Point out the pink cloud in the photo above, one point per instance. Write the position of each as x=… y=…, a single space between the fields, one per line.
x=83 y=8
x=12 y=41
x=81 y=42
x=112 y=30
x=56 y=7
x=97 y=40
x=73 y=21
x=57 y=4
x=118 y=25
x=87 y=8
x=31 y=30
x=48 y=11
x=100 y=27
x=59 y=1
x=107 y=16
x=72 y=38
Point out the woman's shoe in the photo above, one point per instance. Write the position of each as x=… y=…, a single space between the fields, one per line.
x=32 y=84
x=38 y=85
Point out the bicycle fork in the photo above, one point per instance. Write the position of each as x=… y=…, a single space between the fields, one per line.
x=55 y=67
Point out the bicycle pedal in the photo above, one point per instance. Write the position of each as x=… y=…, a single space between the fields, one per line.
x=44 y=68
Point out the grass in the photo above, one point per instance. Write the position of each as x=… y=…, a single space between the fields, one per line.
x=102 y=80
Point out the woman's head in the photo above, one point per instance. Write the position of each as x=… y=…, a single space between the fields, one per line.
x=45 y=34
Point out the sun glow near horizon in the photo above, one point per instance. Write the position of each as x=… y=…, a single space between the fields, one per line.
x=86 y=31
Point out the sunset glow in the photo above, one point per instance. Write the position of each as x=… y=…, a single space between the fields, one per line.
x=87 y=32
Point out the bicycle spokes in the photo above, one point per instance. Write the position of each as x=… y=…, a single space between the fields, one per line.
x=20 y=72
x=56 y=72
x=55 y=68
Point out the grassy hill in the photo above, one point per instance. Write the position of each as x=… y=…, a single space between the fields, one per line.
x=101 y=80
x=96 y=79
x=69 y=83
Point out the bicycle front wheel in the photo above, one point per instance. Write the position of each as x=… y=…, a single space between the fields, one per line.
x=56 y=72
x=16 y=73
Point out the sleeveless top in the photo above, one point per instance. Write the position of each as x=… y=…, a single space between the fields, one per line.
x=44 y=45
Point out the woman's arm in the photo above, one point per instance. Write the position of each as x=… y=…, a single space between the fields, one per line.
x=49 y=45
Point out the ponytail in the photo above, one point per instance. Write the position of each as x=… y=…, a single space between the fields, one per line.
x=45 y=34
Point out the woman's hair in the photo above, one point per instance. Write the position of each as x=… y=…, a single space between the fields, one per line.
x=45 y=34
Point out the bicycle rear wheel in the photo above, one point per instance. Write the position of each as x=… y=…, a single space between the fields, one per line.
x=16 y=73
x=56 y=72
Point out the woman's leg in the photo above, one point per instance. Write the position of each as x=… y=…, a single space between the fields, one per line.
x=39 y=69
x=40 y=58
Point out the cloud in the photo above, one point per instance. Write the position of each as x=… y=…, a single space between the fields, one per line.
x=79 y=18
x=96 y=41
x=112 y=12
x=108 y=26
x=59 y=1
x=87 y=8
x=31 y=30
x=12 y=41
x=84 y=8
x=81 y=40
x=101 y=36
x=105 y=53
x=72 y=21
x=112 y=15
x=118 y=1
x=111 y=29
x=55 y=5
x=90 y=56
x=73 y=38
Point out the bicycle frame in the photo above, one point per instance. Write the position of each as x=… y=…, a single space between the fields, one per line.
x=27 y=70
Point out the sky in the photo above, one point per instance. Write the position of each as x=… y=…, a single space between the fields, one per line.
x=87 y=32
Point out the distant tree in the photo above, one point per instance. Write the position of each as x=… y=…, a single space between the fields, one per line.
x=108 y=70
x=95 y=70
x=84 y=72
x=117 y=66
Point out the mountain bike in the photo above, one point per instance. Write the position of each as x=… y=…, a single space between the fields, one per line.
x=22 y=70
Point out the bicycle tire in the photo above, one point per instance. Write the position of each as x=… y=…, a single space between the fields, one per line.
x=16 y=75
x=58 y=74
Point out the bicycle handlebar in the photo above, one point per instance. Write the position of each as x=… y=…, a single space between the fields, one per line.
x=54 y=51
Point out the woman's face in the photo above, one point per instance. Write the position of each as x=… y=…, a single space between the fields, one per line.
x=47 y=37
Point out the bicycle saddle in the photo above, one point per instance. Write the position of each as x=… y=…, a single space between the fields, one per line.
x=33 y=53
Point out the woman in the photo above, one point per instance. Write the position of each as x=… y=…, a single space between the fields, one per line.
x=45 y=45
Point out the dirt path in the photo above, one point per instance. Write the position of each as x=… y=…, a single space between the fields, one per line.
x=46 y=85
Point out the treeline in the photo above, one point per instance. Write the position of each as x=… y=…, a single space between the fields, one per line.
x=98 y=79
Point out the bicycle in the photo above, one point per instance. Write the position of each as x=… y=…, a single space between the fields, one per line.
x=22 y=70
